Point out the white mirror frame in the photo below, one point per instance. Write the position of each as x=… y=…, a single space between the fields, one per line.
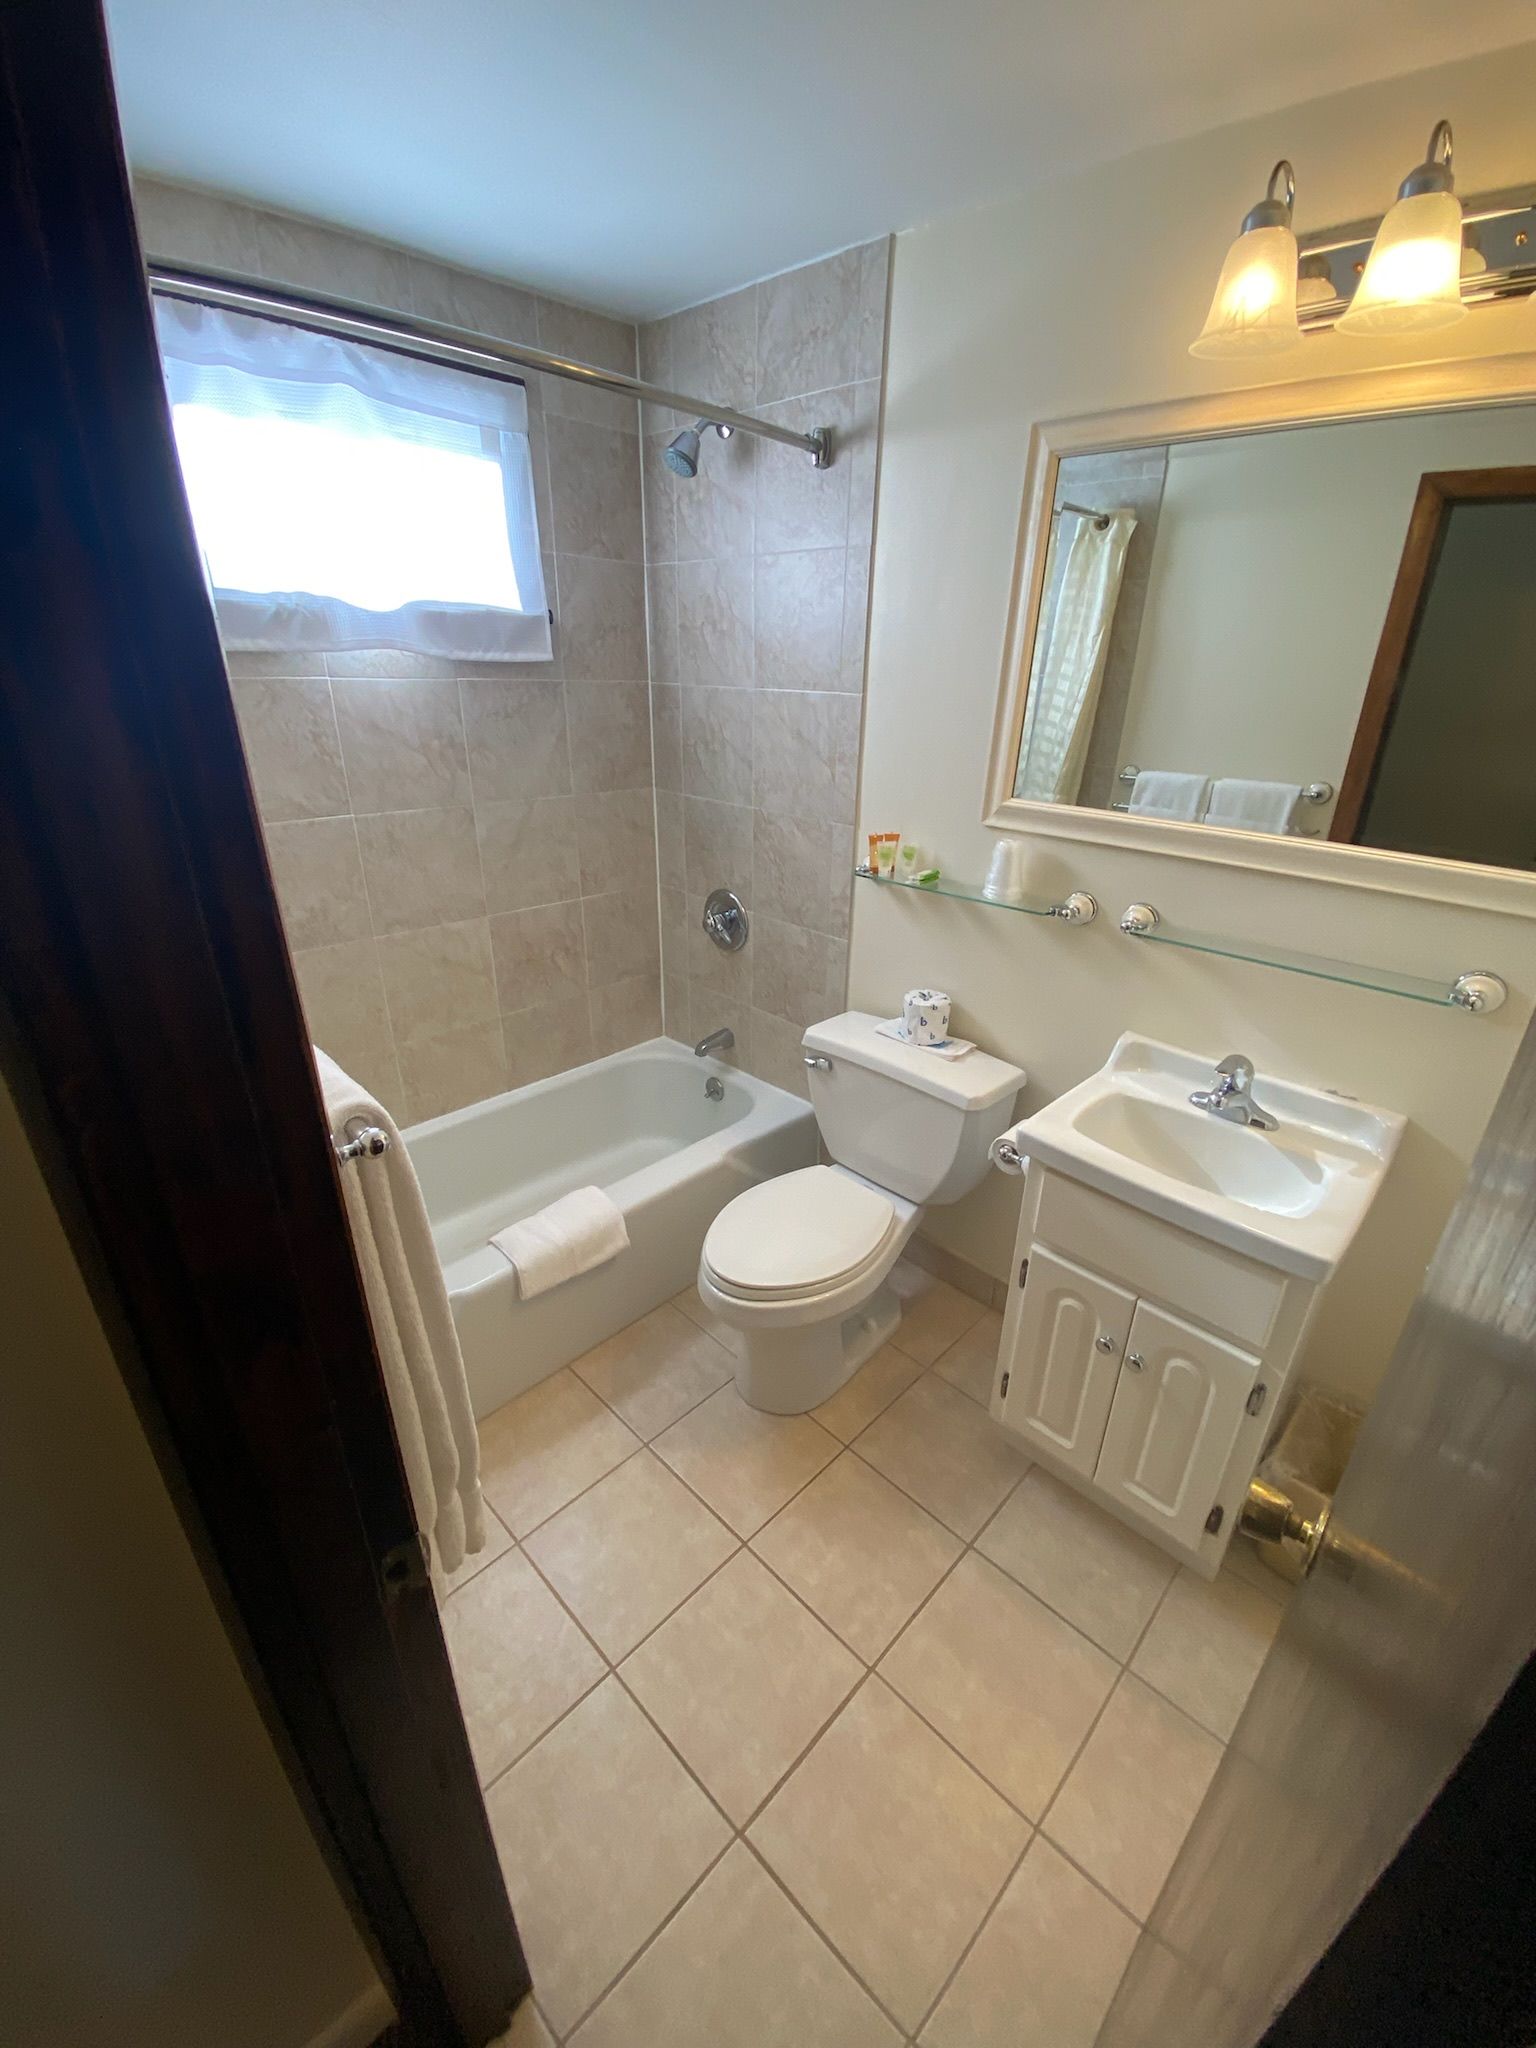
x=1372 y=394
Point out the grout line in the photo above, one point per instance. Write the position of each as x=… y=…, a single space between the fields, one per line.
x=746 y=1540
x=1098 y=1717
x=785 y=1775
x=1088 y=1877
x=610 y=1670
x=650 y=1941
x=713 y=1573
x=836 y=1635
x=535 y=1527
x=867 y=1670
x=822 y=1935
x=738 y=1541
x=486 y=1561
x=981 y=1928
x=682 y=1762
x=485 y=901
x=564 y=1714
x=870 y=1464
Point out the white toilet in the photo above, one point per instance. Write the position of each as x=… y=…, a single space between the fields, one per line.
x=799 y=1264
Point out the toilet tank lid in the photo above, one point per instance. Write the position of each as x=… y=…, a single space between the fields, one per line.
x=977 y=1081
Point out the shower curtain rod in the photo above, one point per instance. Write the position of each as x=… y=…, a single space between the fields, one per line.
x=351 y=320
x=1100 y=519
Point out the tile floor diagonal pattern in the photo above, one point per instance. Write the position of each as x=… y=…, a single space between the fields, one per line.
x=842 y=1728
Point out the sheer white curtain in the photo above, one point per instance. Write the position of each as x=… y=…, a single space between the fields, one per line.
x=347 y=496
x=1071 y=648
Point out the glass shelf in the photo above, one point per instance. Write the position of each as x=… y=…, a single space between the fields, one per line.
x=1384 y=980
x=1477 y=992
x=960 y=892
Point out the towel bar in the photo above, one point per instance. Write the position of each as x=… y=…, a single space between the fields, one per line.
x=1311 y=792
x=363 y=1140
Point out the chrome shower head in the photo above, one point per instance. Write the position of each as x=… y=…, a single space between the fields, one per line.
x=681 y=453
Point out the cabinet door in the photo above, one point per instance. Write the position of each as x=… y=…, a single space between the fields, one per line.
x=1178 y=1406
x=1071 y=1334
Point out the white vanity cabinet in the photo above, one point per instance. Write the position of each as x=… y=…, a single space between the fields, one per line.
x=1072 y=1332
x=1142 y=1363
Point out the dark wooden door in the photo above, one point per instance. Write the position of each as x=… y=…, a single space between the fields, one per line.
x=152 y=1035
x=1438 y=764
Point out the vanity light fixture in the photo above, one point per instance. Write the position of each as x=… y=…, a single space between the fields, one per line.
x=1254 y=310
x=1314 y=283
x=1423 y=266
x=1412 y=280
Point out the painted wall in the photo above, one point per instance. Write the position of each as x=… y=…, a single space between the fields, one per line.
x=1276 y=556
x=758 y=582
x=1023 y=312
x=464 y=852
x=158 y=1882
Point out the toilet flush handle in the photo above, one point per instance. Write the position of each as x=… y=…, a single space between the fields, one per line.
x=818 y=1063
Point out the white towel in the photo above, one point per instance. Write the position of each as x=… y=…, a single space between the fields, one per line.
x=1168 y=793
x=571 y=1236
x=1253 y=806
x=413 y=1327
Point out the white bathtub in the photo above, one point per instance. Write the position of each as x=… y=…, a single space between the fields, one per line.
x=638 y=1124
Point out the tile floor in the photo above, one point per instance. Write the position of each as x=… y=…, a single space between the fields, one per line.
x=829 y=1730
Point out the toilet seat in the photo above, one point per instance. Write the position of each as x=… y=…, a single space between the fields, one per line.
x=801 y=1234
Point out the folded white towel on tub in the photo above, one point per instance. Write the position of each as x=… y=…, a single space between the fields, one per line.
x=580 y=1231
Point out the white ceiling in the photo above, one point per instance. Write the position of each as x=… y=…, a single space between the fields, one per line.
x=644 y=156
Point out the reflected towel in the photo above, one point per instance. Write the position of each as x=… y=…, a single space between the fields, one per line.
x=1168 y=793
x=571 y=1236
x=1253 y=806
x=413 y=1328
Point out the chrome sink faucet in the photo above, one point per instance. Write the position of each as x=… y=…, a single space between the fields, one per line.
x=717 y=1041
x=1232 y=1097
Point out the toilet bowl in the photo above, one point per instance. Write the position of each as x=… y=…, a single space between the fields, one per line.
x=800 y=1264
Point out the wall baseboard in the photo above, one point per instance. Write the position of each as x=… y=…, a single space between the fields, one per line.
x=359 y=2024
x=948 y=1265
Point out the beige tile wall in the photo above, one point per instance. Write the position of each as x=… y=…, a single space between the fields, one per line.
x=465 y=853
x=758 y=583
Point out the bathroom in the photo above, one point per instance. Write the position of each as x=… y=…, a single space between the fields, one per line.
x=790 y=1556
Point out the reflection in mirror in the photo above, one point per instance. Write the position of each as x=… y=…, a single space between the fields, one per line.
x=1325 y=631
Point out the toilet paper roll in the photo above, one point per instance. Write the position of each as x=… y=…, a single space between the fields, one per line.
x=925 y=1016
x=1005 y=1154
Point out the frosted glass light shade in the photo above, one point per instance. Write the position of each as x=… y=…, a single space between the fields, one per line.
x=1412 y=279
x=1254 y=310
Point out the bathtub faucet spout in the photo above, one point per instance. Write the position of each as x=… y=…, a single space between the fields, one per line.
x=717 y=1041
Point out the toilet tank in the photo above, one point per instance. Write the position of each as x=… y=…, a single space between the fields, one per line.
x=905 y=1118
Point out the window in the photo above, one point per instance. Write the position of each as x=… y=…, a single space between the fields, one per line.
x=347 y=496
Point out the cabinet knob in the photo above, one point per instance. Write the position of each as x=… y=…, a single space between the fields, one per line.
x=1135 y=1360
x=1105 y=1343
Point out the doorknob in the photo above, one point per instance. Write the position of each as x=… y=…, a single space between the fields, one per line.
x=1105 y=1343
x=1135 y=1360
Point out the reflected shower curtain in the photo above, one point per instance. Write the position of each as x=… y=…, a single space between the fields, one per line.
x=1071 y=650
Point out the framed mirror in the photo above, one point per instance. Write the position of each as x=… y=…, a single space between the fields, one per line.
x=1292 y=628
